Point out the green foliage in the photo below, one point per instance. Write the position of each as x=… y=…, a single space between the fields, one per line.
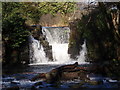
x=54 y=7
x=13 y=25
x=99 y=30
x=34 y=10
x=14 y=30
x=15 y=14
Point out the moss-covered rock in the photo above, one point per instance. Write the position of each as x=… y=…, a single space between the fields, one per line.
x=76 y=39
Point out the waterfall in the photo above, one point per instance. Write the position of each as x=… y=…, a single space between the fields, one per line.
x=83 y=52
x=58 y=38
x=37 y=54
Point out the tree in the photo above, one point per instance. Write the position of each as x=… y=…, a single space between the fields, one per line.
x=14 y=18
x=112 y=17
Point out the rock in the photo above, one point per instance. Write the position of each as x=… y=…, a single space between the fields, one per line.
x=73 y=75
x=38 y=83
x=47 y=47
x=48 y=51
x=94 y=82
x=76 y=40
x=39 y=76
x=36 y=31
x=78 y=85
x=66 y=72
x=35 y=86
x=68 y=67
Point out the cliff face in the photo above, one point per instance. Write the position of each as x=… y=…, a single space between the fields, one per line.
x=76 y=39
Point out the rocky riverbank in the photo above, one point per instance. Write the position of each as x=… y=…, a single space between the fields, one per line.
x=86 y=77
x=65 y=76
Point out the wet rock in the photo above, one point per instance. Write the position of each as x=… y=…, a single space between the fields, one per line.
x=94 y=82
x=48 y=51
x=78 y=85
x=58 y=73
x=39 y=76
x=35 y=86
x=74 y=75
x=47 y=48
x=52 y=77
x=66 y=72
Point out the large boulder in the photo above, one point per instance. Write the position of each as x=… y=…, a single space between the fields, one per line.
x=39 y=76
x=65 y=72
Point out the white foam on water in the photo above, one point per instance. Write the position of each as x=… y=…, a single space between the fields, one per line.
x=37 y=53
x=83 y=53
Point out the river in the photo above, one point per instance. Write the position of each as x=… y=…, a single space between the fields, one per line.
x=58 y=38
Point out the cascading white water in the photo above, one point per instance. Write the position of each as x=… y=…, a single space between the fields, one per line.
x=57 y=37
x=37 y=54
x=82 y=56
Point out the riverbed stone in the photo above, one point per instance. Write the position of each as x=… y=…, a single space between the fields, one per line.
x=39 y=76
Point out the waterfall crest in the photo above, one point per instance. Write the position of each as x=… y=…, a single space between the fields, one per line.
x=58 y=38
